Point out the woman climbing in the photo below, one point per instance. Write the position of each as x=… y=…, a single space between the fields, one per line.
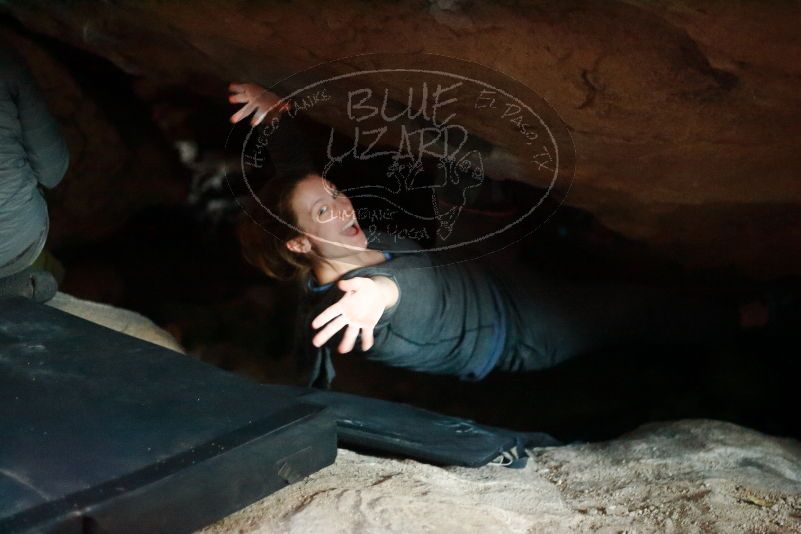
x=397 y=304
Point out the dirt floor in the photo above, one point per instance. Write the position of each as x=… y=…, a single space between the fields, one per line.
x=683 y=476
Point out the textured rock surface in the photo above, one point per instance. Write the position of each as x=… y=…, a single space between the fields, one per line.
x=125 y=321
x=685 y=116
x=685 y=476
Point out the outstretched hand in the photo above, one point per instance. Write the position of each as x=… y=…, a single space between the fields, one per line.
x=359 y=309
x=256 y=98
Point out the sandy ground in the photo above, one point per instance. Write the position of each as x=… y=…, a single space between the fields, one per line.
x=684 y=476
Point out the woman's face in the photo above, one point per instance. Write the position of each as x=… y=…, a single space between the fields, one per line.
x=327 y=217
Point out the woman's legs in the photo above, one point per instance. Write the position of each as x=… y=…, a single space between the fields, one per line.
x=554 y=320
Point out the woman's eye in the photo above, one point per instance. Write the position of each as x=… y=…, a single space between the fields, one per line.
x=321 y=210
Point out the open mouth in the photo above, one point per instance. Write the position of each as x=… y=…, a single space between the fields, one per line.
x=352 y=228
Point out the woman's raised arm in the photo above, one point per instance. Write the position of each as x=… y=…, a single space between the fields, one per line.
x=256 y=98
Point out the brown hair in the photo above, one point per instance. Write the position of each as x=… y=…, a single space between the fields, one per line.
x=263 y=235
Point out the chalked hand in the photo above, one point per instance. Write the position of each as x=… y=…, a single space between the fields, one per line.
x=359 y=309
x=255 y=99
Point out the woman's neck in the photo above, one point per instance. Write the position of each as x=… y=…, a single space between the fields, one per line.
x=332 y=269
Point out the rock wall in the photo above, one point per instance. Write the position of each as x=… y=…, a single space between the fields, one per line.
x=685 y=116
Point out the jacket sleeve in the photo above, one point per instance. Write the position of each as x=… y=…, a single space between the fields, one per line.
x=400 y=271
x=44 y=145
x=314 y=365
x=319 y=372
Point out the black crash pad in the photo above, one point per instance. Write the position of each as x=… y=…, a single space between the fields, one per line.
x=405 y=430
x=102 y=432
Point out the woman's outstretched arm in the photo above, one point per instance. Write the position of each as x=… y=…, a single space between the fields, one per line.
x=359 y=309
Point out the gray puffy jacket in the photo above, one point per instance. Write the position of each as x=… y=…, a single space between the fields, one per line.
x=32 y=153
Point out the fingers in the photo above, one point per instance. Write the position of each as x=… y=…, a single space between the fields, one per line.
x=244 y=112
x=367 y=338
x=348 y=339
x=255 y=98
x=274 y=109
x=326 y=315
x=249 y=107
x=330 y=329
x=238 y=98
x=257 y=118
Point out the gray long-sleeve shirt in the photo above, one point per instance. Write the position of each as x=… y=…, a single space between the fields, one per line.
x=450 y=318
x=469 y=318
x=32 y=153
